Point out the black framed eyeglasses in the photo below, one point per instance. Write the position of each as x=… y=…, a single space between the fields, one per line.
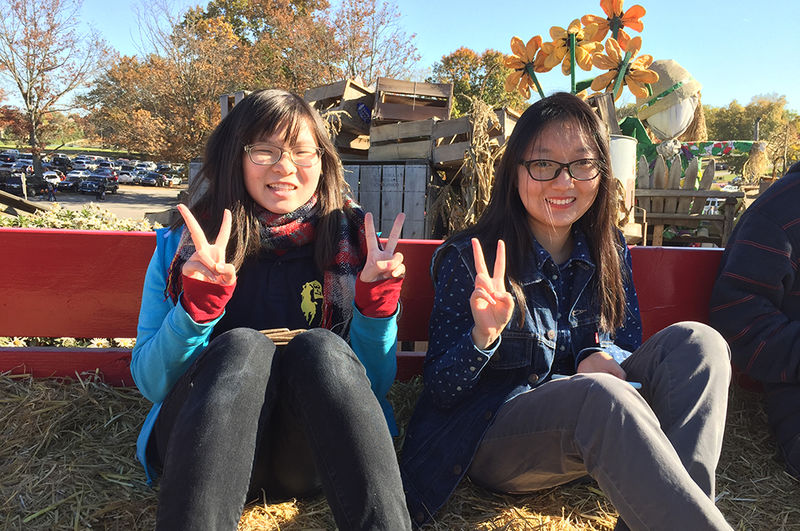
x=547 y=170
x=267 y=154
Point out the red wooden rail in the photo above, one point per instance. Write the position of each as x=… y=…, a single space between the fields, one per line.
x=64 y=283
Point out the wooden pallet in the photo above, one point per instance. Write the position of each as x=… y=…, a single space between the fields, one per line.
x=352 y=146
x=451 y=138
x=348 y=97
x=402 y=140
x=443 y=142
x=407 y=101
x=388 y=188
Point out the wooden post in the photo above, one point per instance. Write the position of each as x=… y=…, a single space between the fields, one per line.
x=351 y=176
x=727 y=223
x=416 y=181
x=370 y=191
x=391 y=197
x=604 y=105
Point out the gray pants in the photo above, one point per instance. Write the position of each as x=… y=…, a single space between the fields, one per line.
x=653 y=452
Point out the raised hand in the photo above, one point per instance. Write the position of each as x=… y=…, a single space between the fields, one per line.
x=490 y=303
x=382 y=264
x=208 y=261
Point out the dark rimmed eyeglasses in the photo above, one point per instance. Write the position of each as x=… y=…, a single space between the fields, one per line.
x=547 y=170
x=268 y=155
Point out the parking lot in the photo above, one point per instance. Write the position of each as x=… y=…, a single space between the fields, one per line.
x=131 y=201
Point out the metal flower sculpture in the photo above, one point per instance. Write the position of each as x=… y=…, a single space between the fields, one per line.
x=527 y=59
x=616 y=20
x=622 y=70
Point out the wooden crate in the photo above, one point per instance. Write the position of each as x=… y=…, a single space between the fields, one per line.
x=386 y=189
x=450 y=138
x=406 y=101
x=227 y=101
x=348 y=96
x=351 y=146
x=401 y=140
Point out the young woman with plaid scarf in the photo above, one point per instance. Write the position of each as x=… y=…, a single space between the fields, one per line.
x=271 y=240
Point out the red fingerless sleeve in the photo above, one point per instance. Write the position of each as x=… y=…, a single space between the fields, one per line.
x=205 y=301
x=378 y=299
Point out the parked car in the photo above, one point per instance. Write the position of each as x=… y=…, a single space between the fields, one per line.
x=713 y=205
x=125 y=178
x=53 y=176
x=61 y=162
x=90 y=185
x=7 y=157
x=81 y=164
x=153 y=179
x=22 y=165
x=106 y=172
x=146 y=165
x=71 y=183
x=137 y=176
x=14 y=186
x=105 y=164
x=78 y=173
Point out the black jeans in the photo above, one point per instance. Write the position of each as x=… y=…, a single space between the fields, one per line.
x=245 y=419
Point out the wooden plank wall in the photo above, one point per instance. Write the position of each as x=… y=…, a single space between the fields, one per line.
x=388 y=188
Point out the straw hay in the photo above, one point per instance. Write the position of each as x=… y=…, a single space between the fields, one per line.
x=67 y=462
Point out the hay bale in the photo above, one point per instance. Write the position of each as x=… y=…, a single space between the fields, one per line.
x=67 y=461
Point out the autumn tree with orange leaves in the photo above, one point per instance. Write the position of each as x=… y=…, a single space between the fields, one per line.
x=474 y=75
x=45 y=58
x=165 y=101
x=373 y=43
x=291 y=42
x=166 y=104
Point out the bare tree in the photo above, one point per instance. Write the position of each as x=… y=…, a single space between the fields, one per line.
x=373 y=41
x=45 y=58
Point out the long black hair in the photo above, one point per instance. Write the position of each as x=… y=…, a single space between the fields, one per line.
x=220 y=184
x=505 y=216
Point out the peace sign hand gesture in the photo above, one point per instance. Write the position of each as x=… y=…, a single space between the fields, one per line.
x=208 y=261
x=382 y=264
x=491 y=305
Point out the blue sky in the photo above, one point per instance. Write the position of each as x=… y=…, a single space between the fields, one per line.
x=737 y=49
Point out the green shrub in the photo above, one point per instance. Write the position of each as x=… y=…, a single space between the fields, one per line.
x=90 y=217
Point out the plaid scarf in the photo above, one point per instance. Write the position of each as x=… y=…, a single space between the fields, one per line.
x=295 y=229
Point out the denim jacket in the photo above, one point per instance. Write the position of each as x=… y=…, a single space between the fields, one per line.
x=465 y=386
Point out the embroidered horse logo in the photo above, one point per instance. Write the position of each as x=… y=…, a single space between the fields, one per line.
x=311 y=292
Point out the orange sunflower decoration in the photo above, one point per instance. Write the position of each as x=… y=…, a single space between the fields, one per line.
x=623 y=71
x=616 y=20
x=558 y=51
x=525 y=61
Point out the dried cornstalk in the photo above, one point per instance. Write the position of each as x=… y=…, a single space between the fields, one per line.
x=756 y=165
x=463 y=198
x=333 y=122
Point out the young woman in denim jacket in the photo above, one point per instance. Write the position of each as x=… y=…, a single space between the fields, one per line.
x=528 y=376
x=271 y=241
